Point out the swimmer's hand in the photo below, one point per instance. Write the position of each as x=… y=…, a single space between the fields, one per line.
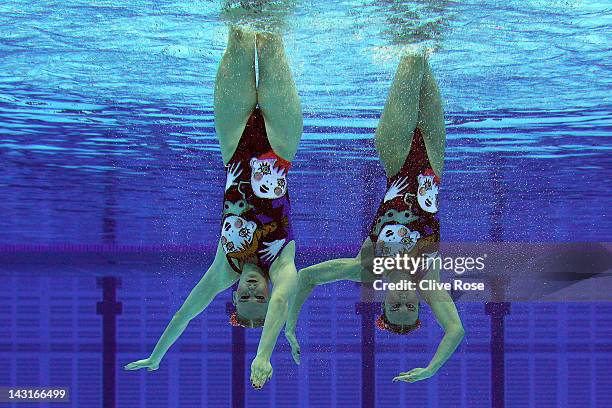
x=414 y=375
x=149 y=363
x=261 y=372
x=295 y=346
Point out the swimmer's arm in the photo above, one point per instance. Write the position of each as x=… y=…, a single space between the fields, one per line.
x=218 y=278
x=211 y=284
x=320 y=274
x=284 y=279
x=446 y=314
x=284 y=276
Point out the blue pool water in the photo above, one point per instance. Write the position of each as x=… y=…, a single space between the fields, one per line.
x=110 y=167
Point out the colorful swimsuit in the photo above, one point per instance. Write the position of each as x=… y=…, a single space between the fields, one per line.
x=256 y=209
x=406 y=221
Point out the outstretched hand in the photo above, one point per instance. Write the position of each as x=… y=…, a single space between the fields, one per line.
x=148 y=363
x=414 y=375
x=261 y=372
x=295 y=346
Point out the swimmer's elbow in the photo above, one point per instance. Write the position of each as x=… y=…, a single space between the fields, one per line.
x=458 y=332
x=184 y=316
x=305 y=279
x=279 y=301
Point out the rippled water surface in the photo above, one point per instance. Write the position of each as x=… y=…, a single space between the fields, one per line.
x=108 y=152
x=107 y=135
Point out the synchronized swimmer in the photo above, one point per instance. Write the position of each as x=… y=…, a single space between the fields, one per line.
x=258 y=122
x=259 y=128
x=410 y=140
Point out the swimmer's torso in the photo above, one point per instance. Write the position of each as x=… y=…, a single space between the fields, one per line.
x=407 y=220
x=256 y=208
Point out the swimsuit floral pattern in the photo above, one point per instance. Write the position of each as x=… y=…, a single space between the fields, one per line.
x=256 y=209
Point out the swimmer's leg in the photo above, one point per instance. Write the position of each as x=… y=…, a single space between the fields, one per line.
x=235 y=89
x=219 y=277
x=400 y=115
x=431 y=119
x=283 y=275
x=277 y=96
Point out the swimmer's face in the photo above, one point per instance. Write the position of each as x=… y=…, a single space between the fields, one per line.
x=401 y=307
x=252 y=295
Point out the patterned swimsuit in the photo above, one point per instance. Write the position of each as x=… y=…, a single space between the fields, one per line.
x=406 y=221
x=256 y=210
